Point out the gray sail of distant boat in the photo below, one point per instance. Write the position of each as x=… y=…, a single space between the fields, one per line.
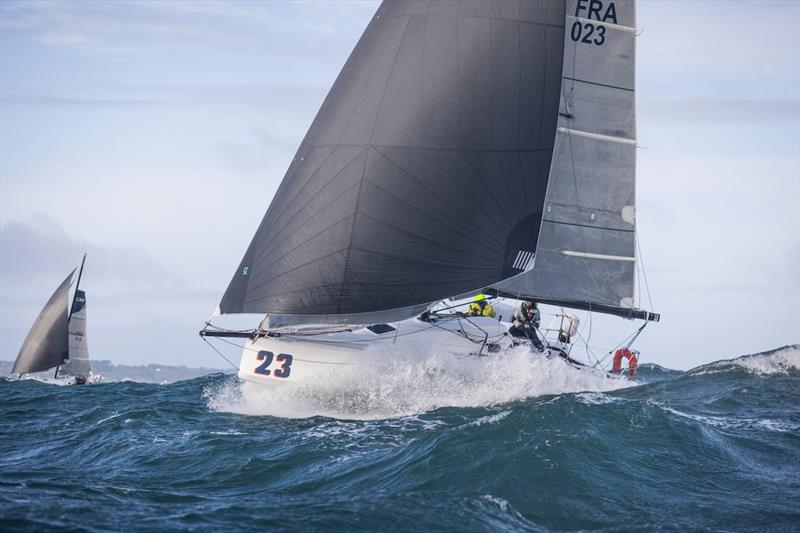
x=57 y=338
x=46 y=345
x=464 y=145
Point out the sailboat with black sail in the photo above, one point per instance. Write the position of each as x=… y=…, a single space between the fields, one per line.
x=57 y=339
x=466 y=147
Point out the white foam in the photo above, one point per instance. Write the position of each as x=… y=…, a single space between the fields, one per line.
x=405 y=384
x=498 y=501
x=491 y=419
x=723 y=422
x=596 y=398
x=780 y=361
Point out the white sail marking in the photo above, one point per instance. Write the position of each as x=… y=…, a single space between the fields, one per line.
x=528 y=261
x=522 y=260
x=609 y=24
x=598 y=256
x=598 y=136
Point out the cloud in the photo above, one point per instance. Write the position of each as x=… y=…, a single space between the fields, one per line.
x=129 y=27
x=275 y=99
x=138 y=310
x=261 y=148
x=39 y=251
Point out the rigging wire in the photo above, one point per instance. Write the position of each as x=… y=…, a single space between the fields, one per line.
x=220 y=353
x=644 y=272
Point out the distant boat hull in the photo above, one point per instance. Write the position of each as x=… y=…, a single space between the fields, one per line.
x=63 y=380
x=314 y=357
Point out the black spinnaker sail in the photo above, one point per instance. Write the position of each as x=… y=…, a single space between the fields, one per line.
x=425 y=171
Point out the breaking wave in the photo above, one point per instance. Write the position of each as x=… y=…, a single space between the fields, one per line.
x=779 y=361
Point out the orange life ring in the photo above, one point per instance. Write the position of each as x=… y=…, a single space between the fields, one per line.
x=627 y=354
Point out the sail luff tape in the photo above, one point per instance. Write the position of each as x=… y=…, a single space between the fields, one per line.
x=598 y=136
x=609 y=24
x=598 y=256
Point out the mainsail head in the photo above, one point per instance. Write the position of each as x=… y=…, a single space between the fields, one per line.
x=46 y=345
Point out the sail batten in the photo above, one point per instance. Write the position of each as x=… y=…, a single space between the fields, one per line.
x=597 y=136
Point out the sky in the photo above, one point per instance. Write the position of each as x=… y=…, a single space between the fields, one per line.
x=153 y=135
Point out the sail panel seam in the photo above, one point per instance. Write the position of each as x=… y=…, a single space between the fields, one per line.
x=444 y=221
x=599 y=84
x=273 y=245
x=271 y=232
x=433 y=193
x=587 y=226
x=312 y=237
x=441 y=245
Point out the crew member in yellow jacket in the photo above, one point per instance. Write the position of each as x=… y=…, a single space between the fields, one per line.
x=480 y=307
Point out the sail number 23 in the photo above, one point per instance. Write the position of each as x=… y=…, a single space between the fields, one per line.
x=267 y=358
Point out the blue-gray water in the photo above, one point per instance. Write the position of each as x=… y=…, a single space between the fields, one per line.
x=715 y=448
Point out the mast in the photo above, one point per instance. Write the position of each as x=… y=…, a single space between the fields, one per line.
x=72 y=305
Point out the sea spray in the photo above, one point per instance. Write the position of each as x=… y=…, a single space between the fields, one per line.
x=402 y=384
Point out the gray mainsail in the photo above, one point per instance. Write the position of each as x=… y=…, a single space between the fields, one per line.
x=425 y=171
x=46 y=344
x=79 y=363
x=585 y=256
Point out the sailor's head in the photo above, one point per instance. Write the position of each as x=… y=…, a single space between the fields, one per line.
x=528 y=303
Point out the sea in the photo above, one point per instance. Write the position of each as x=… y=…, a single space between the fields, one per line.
x=512 y=443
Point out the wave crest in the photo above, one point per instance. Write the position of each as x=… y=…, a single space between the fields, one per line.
x=780 y=361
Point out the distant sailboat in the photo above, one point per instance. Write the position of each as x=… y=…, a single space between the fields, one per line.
x=466 y=147
x=57 y=338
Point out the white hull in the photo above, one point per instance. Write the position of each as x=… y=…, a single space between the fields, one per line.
x=309 y=359
x=62 y=380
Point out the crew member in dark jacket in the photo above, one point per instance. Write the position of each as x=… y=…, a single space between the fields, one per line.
x=526 y=320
